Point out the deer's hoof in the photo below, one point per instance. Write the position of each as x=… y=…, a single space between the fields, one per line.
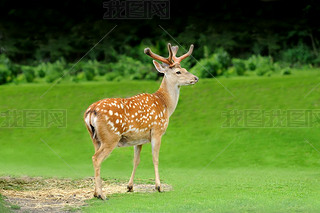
x=159 y=188
x=130 y=188
x=100 y=196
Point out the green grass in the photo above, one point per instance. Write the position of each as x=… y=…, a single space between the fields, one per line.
x=3 y=208
x=224 y=190
x=210 y=168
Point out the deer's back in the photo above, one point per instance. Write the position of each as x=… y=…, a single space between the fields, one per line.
x=132 y=118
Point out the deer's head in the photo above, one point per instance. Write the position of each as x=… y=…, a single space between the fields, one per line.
x=171 y=68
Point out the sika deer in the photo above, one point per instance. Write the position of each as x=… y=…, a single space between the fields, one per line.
x=120 y=122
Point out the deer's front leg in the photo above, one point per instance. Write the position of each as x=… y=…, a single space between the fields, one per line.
x=155 y=144
x=136 y=161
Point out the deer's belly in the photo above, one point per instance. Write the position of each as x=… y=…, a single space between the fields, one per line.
x=132 y=142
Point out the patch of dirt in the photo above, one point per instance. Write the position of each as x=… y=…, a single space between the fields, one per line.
x=59 y=195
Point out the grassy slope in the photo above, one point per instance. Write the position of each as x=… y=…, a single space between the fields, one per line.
x=260 y=167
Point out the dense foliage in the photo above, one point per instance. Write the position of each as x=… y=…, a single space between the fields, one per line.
x=217 y=64
x=230 y=38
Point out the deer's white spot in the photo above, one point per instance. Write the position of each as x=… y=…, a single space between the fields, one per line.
x=117 y=121
x=111 y=124
x=110 y=112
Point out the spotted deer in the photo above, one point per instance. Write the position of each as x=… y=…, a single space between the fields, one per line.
x=134 y=121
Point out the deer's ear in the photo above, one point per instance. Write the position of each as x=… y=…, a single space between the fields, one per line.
x=158 y=66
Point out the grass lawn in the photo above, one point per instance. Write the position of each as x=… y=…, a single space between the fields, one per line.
x=224 y=190
x=211 y=168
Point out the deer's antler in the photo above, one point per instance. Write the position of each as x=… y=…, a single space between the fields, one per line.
x=172 y=58
x=176 y=59
x=158 y=57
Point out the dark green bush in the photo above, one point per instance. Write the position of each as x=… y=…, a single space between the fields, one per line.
x=286 y=71
x=118 y=78
x=151 y=76
x=53 y=75
x=251 y=63
x=40 y=70
x=103 y=69
x=15 y=70
x=89 y=72
x=239 y=66
x=223 y=58
x=207 y=68
x=298 y=55
x=54 y=71
x=264 y=65
x=260 y=64
x=110 y=76
x=4 y=74
x=8 y=71
x=41 y=73
x=220 y=64
x=215 y=65
x=28 y=73
x=269 y=73
x=130 y=68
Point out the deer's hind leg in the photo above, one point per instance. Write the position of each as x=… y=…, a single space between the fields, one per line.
x=108 y=141
x=136 y=161
x=155 y=144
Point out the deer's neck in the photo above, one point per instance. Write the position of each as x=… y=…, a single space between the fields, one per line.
x=169 y=94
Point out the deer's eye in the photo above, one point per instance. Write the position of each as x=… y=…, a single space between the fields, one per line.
x=178 y=72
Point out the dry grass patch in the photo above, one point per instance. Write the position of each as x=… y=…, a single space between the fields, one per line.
x=38 y=194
